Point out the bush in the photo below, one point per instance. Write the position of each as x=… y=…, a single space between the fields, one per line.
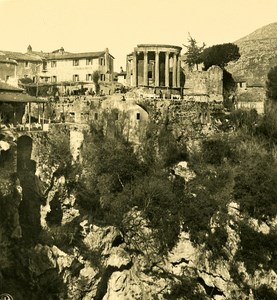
x=264 y=293
x=257 y=249
x=215 y=151
x=256 y=188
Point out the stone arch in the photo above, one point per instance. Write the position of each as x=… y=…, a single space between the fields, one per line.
x=144 y=107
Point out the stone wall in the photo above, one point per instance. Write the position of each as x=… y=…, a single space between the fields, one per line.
x=204 y=84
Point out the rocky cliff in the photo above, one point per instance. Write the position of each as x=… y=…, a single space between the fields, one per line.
x=53 y=246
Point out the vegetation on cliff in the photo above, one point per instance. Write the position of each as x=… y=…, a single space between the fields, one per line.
x=115 y=185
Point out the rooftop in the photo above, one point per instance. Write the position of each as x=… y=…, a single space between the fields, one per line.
x=19 y=97
x=21 y=56
x=160 y=45
x=7 y=87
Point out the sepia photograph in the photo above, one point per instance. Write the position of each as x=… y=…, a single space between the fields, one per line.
x=138 y=150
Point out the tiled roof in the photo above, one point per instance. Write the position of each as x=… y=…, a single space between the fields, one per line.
x=39 y=56
x=5 y=59
x=67 y=55
x=19 y=97
x=22 y=57
x=6 y=87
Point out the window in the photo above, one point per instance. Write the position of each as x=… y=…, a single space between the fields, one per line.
x=75 y=77
x=116 y=116
x=75 y=62
x=102 y=77
x=53 y=64
x=54 y=79
x=89 y=61
x=95 y=116
x=26 y=64
x=138 y=116
x=102 y=61
x=88 y=77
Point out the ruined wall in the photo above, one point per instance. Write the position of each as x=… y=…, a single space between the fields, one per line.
x=207 y=84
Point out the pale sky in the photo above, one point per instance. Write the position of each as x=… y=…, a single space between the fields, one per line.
x=93 y=25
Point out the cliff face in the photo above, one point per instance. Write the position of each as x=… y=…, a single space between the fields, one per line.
x=52 y=248
x=258 y=54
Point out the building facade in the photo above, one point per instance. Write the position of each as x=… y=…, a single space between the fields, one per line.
x=16 y=65
x=152 y=65
x=56 y=67
x=62 y=66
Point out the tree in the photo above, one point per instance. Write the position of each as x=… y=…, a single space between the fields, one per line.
x=193 y=52
x=220 y=55
x=271 y=84
x=95 y=78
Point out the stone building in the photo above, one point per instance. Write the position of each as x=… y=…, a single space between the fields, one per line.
x=7 y=67
x=61 y=66
x=151 y=65
x=58 y=67
x=27 y=65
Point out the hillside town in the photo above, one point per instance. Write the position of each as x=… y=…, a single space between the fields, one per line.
x=154 y=181
x=61 y=86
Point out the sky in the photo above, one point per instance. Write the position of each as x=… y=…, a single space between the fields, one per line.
x=93 y=25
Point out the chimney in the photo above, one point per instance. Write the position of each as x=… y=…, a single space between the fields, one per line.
x=29 y=49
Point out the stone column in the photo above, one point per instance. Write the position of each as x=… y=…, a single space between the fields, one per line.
x=167 y=69
x=135 y=75
x=178 y=71
x=157 y=69
x=145 y=69
x=174 y=83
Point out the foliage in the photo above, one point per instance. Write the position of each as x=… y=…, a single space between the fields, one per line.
x=54 y=217
x=216 y=241
x=215 y=151
x=170 y=152
x=116 y=180
x=59 y=155
x=95 y=79
x=257 y=250
x=271 y=84
x=220 y=55
x=229 y=87
x=63 y=236
x=187 y=289
x=193 y=54
x=246 y=120
x=268 y=125
x=256 y=188
x=264 y=293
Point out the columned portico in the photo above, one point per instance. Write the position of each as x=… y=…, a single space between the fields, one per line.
x=157 y=68
x=152 y=65
x=178 y=70
x=145 y=69
x=174 y=71
x=167 y=69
